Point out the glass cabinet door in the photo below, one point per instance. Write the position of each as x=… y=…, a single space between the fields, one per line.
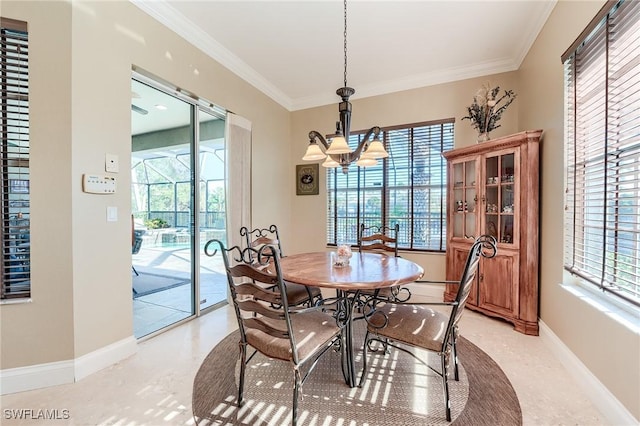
x=464 y=199
x=500 y=200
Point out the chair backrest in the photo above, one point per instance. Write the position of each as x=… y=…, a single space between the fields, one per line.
x=137 y=243
x=259 y=237
x=258 y=293
x=382 y=239
x=484 y=246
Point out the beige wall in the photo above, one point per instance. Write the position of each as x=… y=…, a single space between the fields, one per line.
x=81 y=264
x=412 y=106
x=81 y=56
x=609 y=350
x=612 y=357
x=42 y=331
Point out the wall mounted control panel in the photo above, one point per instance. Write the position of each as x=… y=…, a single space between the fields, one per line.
x=98 y=184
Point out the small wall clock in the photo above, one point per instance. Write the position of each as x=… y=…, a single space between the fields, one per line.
x=307 y=179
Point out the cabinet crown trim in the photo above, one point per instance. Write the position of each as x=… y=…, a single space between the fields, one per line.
x=498 y=143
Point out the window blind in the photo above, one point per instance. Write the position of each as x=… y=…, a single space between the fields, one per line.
x=407 y=188
x=602 y=220
x=14 y=156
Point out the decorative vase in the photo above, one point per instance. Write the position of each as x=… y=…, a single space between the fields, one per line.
x=340 y=261
x=483 y=137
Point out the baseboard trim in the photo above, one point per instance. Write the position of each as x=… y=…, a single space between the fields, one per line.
x=104 y=357
x=614 y=412
x=39 y=376
x=22 y=379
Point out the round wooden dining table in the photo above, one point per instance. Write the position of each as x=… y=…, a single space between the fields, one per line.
x=365 y=271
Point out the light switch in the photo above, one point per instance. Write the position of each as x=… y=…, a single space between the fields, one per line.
x=111 y=163
x=112 y=214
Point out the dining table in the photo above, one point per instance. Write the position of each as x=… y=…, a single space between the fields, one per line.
x=365 y=271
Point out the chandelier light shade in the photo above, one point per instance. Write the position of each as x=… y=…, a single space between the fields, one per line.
x=336 y=151
x=314 y=153
x=376 y=149
x=338 y=145
x=330 y=163
x=366 y=160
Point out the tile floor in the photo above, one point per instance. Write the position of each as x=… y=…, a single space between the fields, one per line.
x=154 y=386
x=154 y=311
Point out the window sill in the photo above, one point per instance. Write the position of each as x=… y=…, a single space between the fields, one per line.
x=15 y=301
x=624 y=313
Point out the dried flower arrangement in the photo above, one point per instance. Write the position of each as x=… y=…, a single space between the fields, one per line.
x=487 y=108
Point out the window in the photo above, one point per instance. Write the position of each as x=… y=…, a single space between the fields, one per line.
x=14 y=155
x=602 y=217
x=408 y=188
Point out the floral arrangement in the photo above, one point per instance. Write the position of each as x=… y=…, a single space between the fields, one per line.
x=344 y=251
x=342 y=255
x=487 y=108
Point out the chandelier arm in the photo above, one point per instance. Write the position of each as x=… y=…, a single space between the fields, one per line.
x=375 y=132
x=315 y=136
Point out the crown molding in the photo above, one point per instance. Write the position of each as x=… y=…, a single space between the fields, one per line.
x=413 y=82
x=178 y=23
x=168 y=16
x=534 y=31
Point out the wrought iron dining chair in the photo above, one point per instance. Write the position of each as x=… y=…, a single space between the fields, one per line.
x=384 y=240
x=136 y=244
x=298 y=335
x=404 y=325
x=297 y=294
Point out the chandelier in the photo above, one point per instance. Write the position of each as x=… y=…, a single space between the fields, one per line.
x=336 y=151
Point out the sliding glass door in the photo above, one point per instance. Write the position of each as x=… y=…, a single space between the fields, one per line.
x=212 y=201
x=168 y=181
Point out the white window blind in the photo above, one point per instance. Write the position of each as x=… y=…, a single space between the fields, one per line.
x=407 y=188
x=602 y=217
x=14 y=156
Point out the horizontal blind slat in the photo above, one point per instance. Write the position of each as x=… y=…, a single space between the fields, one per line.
x=15 y=191
x=602 y=203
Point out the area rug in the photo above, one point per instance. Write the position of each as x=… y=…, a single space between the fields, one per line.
x=398 y=391
x=144 y=283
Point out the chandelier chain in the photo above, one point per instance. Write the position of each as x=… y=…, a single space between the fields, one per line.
x=345 y=43
x=335 y=150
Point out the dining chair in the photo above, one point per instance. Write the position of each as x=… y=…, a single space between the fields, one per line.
x=135 y=249
x=298 y=335
x=404 y=325
x=136 y=244
x=383 y=240
x=297 y=294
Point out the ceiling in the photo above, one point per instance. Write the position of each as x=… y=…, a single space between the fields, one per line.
x=293 y=51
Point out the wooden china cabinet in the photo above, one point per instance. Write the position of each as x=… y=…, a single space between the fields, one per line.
x=493 y=189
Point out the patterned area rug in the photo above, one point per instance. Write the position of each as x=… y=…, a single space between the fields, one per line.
x=398 y=391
